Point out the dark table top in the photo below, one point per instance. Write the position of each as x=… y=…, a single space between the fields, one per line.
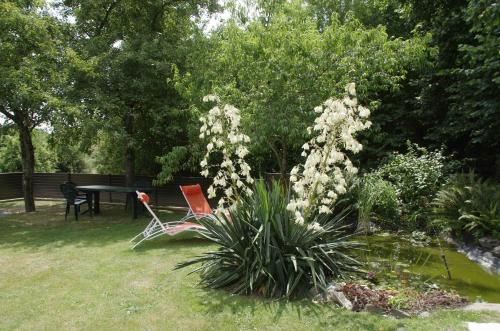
x=108 y=188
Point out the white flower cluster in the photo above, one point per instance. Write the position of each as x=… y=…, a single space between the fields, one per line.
x=321 y=179
x=221 y=126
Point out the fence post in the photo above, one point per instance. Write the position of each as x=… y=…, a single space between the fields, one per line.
x=156 y=198
x=109 y=183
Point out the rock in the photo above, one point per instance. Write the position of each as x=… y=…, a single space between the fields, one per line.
x=374 y=309
x=399 y=313
x=496 y=251
x=334 y=293
x=449 y=240
x=424 y=314
x=487 y=256
x=489 y=243
x=487 y=260
x=316 y=296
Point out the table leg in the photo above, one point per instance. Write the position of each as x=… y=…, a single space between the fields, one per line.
x=89 y=195
x=97 y=208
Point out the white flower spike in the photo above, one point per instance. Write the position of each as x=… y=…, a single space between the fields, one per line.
x=320 y=180
x=222 y=124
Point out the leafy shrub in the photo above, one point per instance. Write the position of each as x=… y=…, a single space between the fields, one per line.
x=262 y=250
x=378 y=199
x=416 y=176
x=468 y=206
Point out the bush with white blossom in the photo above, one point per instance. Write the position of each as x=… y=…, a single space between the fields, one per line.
x=321 y=179
x=221 y=127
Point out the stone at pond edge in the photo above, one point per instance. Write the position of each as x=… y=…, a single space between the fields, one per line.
x=496 y=251
x=489 y=243
x=485 y=259
x=334 y=293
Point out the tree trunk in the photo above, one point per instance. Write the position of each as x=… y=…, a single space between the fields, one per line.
x=282 y=160
x=284 y=164
x=28 y=160
x=129 y=151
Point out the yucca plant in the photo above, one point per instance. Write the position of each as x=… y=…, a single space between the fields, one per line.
x=468 y=205
x=263 y=251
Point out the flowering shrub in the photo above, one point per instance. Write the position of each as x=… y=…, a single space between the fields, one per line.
x=221 y=126
x=416 y=175
x=321 y=179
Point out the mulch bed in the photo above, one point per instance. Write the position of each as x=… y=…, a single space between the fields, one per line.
x=416 y=302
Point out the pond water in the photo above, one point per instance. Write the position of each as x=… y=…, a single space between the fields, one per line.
x=401 y=263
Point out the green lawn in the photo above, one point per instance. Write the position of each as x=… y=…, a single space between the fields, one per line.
x=83 y=275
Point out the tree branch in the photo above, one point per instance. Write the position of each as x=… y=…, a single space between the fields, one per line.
x=106 y=17
x=157 y=14
x=277 y=154
x=7 y=113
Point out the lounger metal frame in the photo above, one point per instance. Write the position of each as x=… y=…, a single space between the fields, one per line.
x=158 y=228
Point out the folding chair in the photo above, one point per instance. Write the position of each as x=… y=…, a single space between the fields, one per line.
x=198 y=209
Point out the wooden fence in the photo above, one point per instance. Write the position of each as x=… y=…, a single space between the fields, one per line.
x=11 y=185
x=46 y=185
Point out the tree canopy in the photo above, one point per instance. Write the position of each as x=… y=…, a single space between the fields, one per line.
x=122 y=81
x=277 y=72
x=32 y=71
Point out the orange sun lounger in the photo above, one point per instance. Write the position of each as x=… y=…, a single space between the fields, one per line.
x=198 y=209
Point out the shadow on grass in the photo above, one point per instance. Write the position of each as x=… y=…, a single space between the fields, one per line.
x=175 y=243
x=47 y=227
x=219 y=301
x=216 y=302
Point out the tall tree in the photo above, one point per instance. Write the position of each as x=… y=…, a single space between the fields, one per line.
x=131 y=47
x=31 y=73
x=459 y=97
x=474 y=111
x=278 y=69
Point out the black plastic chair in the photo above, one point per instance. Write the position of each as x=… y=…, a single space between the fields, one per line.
x=73 y=186
x=73 y=199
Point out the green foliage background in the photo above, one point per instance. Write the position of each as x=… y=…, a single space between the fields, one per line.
x=128 y=77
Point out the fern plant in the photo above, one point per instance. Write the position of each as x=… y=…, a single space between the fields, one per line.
x=468 y=206
x=262 y=250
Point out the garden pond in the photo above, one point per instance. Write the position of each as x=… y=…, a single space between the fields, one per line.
x=398 y=262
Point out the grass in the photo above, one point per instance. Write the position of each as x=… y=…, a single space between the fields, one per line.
x=83 y=275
